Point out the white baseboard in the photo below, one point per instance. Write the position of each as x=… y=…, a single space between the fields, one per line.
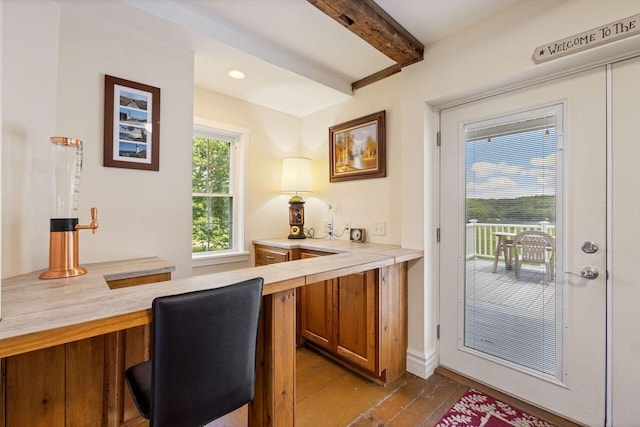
x=419 y=364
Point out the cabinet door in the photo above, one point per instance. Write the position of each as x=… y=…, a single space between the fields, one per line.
x=316 y=309
x=356 y=318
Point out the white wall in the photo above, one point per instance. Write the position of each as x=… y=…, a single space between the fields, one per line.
x=397 y=199
x=1 y=73
x=57 y=89
x=29 y=86
x=491 y=55
x=274 y=135
x=366 y=201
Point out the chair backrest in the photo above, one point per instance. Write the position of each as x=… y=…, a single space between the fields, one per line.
x=534 y=244
x=204 y=353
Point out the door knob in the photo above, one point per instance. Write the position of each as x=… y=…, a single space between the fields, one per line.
x=589 y=273
x=590 y=247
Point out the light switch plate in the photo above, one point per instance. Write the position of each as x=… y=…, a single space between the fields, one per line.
x=379 y=228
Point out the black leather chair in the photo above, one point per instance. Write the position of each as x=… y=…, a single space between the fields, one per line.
x=203 y=356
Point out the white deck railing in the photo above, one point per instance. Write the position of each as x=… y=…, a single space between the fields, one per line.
x=482 y=242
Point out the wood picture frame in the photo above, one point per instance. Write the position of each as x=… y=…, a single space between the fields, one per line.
x=357 y=148
x=131 y=125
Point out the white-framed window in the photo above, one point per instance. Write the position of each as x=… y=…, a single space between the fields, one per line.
x=217 y=210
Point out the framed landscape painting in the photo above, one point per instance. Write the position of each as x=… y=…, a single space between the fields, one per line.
x=131 y=124
x=357 y=149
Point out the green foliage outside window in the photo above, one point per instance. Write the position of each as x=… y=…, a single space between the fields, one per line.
x=212 y=202
x=520 y=210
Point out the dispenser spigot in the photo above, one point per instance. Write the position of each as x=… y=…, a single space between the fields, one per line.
x=94 y=222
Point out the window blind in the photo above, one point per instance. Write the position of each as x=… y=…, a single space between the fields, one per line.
x=511 y=301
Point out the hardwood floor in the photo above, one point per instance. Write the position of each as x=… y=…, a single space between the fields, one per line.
x=329 y=395
x=415 y=402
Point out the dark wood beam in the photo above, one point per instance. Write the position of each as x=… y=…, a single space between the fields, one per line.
x=376 y=77
x=375 y=26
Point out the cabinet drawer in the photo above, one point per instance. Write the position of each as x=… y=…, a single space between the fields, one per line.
x=310 y=253
x=270 y=255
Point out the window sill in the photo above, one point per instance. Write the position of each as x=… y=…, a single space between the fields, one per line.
x=201 y=260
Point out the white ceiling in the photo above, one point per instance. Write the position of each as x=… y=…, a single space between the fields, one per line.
x=297 y=59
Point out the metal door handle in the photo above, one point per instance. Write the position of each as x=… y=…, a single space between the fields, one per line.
x=589 y=247
x=589 y=273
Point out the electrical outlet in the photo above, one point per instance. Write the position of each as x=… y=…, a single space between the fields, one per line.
x=379 y=228
x=329 y=229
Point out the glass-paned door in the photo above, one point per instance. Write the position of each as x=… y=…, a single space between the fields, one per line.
x=522 y=188
x=512 y=306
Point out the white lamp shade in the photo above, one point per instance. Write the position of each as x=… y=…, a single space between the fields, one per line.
x=296 y=175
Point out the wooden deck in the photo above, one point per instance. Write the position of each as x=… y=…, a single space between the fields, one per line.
x=512 y=319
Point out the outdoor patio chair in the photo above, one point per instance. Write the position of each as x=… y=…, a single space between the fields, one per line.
x=535 y=247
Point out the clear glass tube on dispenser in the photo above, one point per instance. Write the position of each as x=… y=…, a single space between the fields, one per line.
x=67 y=164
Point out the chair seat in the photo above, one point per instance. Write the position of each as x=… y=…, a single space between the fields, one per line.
x=139 y=380
x=204 y=356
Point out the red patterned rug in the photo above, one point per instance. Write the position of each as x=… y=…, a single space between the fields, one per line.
x=476 y=409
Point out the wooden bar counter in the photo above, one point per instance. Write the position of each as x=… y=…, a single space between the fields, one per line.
x=65 y=343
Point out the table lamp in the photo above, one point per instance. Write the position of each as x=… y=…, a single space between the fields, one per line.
x=296 y=178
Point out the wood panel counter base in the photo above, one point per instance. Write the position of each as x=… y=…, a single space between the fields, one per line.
x=274 y=401
x=65 y=344
x=78 y=383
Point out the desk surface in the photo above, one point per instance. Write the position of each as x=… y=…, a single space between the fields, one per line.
x=41 y=313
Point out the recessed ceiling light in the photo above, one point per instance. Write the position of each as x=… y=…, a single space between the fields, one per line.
x=236 y=74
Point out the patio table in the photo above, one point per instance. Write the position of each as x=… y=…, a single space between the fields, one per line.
x=505 y=243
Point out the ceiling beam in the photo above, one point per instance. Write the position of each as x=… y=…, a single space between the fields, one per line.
x=383 y=74
x=375 y=26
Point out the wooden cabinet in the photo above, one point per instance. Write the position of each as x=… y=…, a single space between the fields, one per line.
x=80 y=383
x=342 y=317
x=356 y=314
x=315 y=310
x=358 y=319
x=266 y=255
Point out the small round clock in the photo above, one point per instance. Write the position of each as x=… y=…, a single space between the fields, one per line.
x=356 y=235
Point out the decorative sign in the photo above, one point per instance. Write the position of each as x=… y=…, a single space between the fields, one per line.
x=598 y=36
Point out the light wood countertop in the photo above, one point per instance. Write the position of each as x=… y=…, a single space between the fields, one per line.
x=41 y=313
x=398 y=253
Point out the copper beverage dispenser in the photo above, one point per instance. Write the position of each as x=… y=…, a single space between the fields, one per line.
x=66 y=155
